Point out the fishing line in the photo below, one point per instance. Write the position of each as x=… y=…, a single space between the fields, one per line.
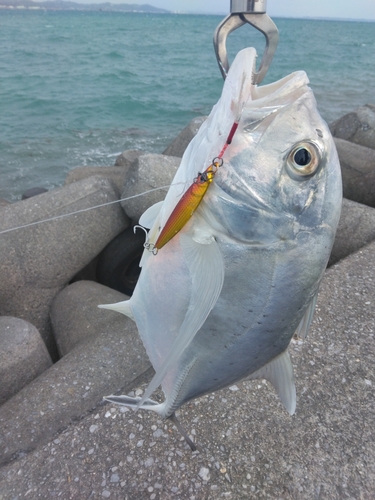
x=56 y=217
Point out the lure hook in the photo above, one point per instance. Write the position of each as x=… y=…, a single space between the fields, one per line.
x=252 y=12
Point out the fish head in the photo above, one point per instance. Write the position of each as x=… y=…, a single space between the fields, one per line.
x=281 y=173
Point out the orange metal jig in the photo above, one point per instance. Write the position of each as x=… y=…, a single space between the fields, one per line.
x=190 y=200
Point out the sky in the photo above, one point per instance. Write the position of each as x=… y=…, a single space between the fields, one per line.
x=347 y=9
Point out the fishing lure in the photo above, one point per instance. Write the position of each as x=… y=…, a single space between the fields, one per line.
x=191 y=199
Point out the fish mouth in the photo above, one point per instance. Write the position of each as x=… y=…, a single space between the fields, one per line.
x=266 y=103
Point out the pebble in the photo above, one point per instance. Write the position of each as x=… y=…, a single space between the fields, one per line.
x=204 y=474
x=149 y=462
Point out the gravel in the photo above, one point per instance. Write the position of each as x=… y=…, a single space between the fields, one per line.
x=248 y=446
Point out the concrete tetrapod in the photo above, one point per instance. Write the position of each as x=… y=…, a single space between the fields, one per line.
x=111 y=358
x=39 y=260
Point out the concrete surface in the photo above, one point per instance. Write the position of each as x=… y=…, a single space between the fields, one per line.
x=76 y=383
x=23 y=355
x=358 y=171
x=37 y=261
x=356 y=228
x=126 y=158
x=75 y=315
x=116 y=174
x=357 y=126
x=181 y=142
x=249 y=446
x=148 y=173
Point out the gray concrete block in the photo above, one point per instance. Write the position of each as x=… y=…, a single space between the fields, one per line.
x=126 y=158
x=75 y=316
x=178 y=146
x=116 y=174
x=39 y=260
x=355 y=230
x=23 y=355
x=34 y=191
x=4 y=202
x=150 y=171
x=99 y=366
x=357 y=126
x=250 y=447
x=358 y=171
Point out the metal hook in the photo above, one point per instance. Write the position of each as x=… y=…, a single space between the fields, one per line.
x=252 y=12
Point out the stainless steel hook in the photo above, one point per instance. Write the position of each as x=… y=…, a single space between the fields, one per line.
x=252 y=12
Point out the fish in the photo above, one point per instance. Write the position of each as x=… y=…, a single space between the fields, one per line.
x=223 y=297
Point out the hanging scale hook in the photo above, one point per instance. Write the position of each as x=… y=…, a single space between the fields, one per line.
x=252 y=12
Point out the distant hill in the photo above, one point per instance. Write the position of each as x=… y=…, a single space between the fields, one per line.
x=67 y=5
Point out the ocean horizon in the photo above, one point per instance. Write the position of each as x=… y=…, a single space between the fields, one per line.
x=78 y=87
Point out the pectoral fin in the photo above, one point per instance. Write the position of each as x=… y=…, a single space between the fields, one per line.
x=122 y=307
x=279 y=372
x=206 y=268
x=304 y=326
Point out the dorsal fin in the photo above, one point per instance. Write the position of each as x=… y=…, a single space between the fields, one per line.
x=279 y=372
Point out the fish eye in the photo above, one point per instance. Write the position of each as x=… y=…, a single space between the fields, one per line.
x=303 y=160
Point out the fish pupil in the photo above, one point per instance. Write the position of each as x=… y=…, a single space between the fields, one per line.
x=302 y=157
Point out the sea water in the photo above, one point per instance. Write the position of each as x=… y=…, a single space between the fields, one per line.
x=77 y=88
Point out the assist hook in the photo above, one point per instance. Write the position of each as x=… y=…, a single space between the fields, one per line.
x=252 y=12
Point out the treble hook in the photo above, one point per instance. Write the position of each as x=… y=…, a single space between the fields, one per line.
x=252 y=12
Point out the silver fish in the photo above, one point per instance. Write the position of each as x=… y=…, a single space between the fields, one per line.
x=222 y=299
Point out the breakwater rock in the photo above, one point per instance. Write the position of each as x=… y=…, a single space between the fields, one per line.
x=104 y=352
x=23 y=355
x=358 y=171
x=99 y=352
x=39 y=260
x=147 y=174
x=357 y=127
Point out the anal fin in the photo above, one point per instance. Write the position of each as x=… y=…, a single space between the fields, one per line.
x=279 y=372
x=305 y=323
